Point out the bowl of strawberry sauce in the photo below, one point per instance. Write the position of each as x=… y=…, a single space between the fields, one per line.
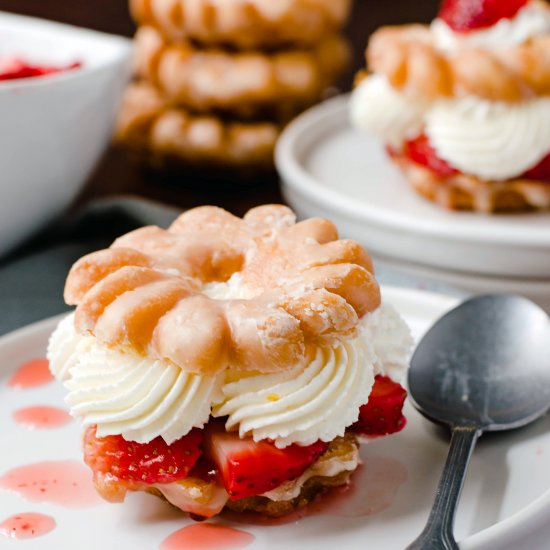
x=60 y=88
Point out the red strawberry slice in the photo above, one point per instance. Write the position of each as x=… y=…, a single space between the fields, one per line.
x=541 y=171
x=420 y=150
x=153 y=462
x=383 y=413
x=16 y=68
x=468 y=15
x=248 y=468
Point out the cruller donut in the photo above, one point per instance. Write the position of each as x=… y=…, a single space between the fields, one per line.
x=409 y=58
x=228 y=362
x=243 y=24
x=150 y=125
x=245 y=84
x=463 y=105
x=147 y=291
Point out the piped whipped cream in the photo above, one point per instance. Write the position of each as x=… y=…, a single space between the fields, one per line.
x=530 y=21
x=319 y=401
x=232 y=289
x=125 y=393
x=65 y=347
x=142 y=398
x=491 y=140
x=377 y=108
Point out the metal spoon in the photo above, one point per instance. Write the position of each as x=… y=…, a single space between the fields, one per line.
x=484 y=366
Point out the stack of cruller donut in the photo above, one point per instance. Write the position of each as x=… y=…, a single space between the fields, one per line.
x=216 y=80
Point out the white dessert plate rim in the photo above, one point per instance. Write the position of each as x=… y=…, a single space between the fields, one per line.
x=528 y=521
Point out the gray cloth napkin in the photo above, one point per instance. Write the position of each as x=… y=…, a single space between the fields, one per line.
x=32 y=279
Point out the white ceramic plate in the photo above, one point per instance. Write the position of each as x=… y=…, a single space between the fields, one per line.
x=331 y=170
x=505 y=499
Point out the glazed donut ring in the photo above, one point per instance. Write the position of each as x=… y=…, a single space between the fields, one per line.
x=241 y=83
x=411 y=62
x=157 y=291
x=466 y=192
x=243 y=24
x=148 y=124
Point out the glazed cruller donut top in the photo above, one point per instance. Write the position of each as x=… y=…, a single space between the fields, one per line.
x=275 y=325
x=409 y=57
x=276 y=288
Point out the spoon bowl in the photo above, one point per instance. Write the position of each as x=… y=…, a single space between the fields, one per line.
x=484 y=366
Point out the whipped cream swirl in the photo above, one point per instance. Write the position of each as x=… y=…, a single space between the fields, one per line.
x=386 y=113
x=140 y=398
x=316 y=403
x=65 y=347
x=530 y=21
x=491 y=140
x=127 y=394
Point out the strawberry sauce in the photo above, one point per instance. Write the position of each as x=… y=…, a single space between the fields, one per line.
x=33 y=373
x=373 y=489
x=42 y=417
x=206 y=536
x=67 y=483
x=13 y=69
x=27 y=526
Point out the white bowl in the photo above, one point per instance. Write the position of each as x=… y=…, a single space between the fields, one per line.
x=53 y=128
x=331 y=170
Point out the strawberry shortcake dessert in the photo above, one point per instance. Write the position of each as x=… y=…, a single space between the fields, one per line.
x=463 y=105
x=228 y=362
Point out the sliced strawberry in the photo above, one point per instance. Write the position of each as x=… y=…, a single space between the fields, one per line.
x=420 y=150
x=541 y=171
x=383 y=413
x=248 y=468
x=153 y=462
x=468 y=15
x=16 y=69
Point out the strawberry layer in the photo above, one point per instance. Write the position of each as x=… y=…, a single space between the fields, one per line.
x=207 y=467
x=420 y=151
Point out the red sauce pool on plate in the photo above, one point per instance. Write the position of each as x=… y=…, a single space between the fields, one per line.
x=27 y=526
x=13 y=69
x=35 y=372
x=67 y=483
x=42 y=417
x=373 y=489
x=207 y=536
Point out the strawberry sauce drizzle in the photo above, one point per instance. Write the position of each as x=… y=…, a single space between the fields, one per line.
x=13 y=69
x=42 y=417
x=373 y=489
x=27 y=525
x=67 y=483
x=35 y=372
x=206 y=536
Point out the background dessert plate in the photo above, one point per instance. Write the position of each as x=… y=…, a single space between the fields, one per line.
x=506 y=498
x=331 y=170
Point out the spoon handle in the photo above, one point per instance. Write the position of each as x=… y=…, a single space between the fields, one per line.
x=438 y=533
